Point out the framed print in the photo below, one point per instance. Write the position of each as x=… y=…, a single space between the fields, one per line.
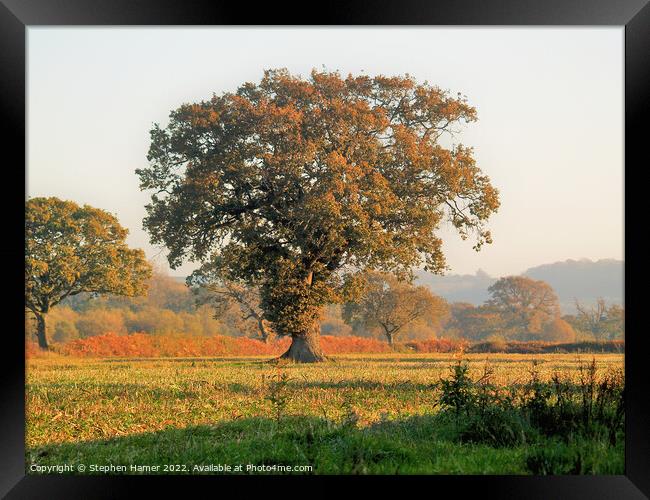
x=385 y=241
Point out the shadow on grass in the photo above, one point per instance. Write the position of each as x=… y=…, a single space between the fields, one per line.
x=415 y=445
x=192 y=389
x=243 y=360
x=408 y=446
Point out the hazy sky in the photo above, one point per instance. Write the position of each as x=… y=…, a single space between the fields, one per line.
x=549 y=102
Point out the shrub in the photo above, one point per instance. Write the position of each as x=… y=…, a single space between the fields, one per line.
x=482 y=413
x=278 y=394
x=497 y=344
x=457 y=390
x=175 y=345
x=538 y=347
x=437 y=345
x=592 y=408
x=352 y=345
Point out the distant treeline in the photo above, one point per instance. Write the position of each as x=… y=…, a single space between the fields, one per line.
x=607 y=346
x=171 y=308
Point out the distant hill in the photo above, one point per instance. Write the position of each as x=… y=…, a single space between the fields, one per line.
x=583 y=279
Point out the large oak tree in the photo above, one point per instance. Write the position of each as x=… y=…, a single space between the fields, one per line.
x=71 y=250
x=300 y=184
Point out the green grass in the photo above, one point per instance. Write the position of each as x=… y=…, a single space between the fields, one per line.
x=370 y=414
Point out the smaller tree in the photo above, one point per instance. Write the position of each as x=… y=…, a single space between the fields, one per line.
x=70 y=250
x=222 y=293
x=524 y=304
x=392 y=304
x=601 y=321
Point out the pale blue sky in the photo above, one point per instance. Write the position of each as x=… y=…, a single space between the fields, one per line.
x=549 y=102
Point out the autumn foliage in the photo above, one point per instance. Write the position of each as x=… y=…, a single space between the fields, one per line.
x=72 y=249
x=145 y=345
x=295 y=186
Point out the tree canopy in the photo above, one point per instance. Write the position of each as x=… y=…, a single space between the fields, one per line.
x=298 y=185
x=525 y=305
x=71 y=249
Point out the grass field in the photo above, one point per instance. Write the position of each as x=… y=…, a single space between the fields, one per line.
x=360 y=414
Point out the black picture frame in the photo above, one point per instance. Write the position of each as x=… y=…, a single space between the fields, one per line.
x=17 y=15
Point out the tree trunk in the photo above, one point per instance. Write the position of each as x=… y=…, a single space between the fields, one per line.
x=305 y=348
x=389 y=333
x=40 y=331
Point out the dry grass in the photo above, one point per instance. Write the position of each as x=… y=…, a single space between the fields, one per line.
x=70 y=400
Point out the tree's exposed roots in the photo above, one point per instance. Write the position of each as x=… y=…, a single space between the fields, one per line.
x=303 y=349
x=282 y=360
